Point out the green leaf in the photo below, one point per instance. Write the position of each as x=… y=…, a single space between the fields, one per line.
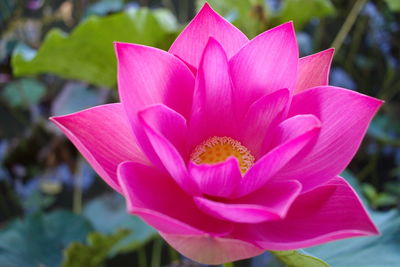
x=39 y=239
x=37 y=201
x=87 y=54
x=23 y=93
x=301 y=11
x=6 y=9
x=394 y=5
x=382 y=250
x=94 y=253
x=299 y=258
x=370 y=192
x=112 y=207
x=385 y=199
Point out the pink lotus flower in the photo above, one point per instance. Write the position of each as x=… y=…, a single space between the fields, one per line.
x=229 y=147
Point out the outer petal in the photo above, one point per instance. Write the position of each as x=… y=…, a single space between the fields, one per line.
x=161 y=203
x=167 y=133
x=345 y=116
x=330 y=212
x=267 y=204
x=104 y=137
x=290 y=141
x=267 y=63
x=149 y=76
x=212 y=112
x=190 y=43
x=314 y=70
x=261 y=118
x=208 y=249
x=219 y=180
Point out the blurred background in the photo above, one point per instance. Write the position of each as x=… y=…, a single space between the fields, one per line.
x=56 y=57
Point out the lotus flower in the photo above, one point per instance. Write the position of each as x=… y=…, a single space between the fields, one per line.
x=229 y=146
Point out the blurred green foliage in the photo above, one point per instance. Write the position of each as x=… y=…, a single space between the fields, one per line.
x=112 y=207
x=254 y=16
x=87 y=54
x=23 y=93
x=394 y=5
x=94 y=253
x=299 y=258
x=40 y=238
x=104 y=230
x=302 y=12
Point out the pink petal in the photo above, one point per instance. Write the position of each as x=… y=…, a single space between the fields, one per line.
x=330 y=212
x=278 y=196
x=293 y=127
x=169 y=123
x=104 y=137
x=158 y=200
x=240 y=213
x=267 y=204
x=345 y=116
x=167 y=132
x=267 y=166
x=260 y=119
x=313 y=70
x=212 y=113
x=219 y=180
x=267 y=63
x=212 y=250
x=190 y=43
x=148 y=76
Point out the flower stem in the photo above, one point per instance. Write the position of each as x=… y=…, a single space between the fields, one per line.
x=77 y=195
x=156 y=253
x=228 y=264
x=344 y=30
x=142 y=257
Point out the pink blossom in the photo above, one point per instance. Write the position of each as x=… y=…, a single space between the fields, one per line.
x=229 y=147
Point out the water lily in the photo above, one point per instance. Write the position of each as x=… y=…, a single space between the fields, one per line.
x=229 y=146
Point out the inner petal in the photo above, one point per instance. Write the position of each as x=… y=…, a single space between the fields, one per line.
x=218 y=149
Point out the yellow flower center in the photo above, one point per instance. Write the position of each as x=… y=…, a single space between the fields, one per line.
x=217 y=149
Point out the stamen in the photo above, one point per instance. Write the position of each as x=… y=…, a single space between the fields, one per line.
x=217 y=149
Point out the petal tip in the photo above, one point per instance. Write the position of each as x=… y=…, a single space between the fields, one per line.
x=331 y=50
x=58 y=120
x=53 y=119
x=327 y=52
x=375 y=230
x=284 y=91
x=212 y=42
x=317 y=122
x=206 y=9
x=289 y=25
x=118 y=46
x=206 y=6
x=374 y=103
